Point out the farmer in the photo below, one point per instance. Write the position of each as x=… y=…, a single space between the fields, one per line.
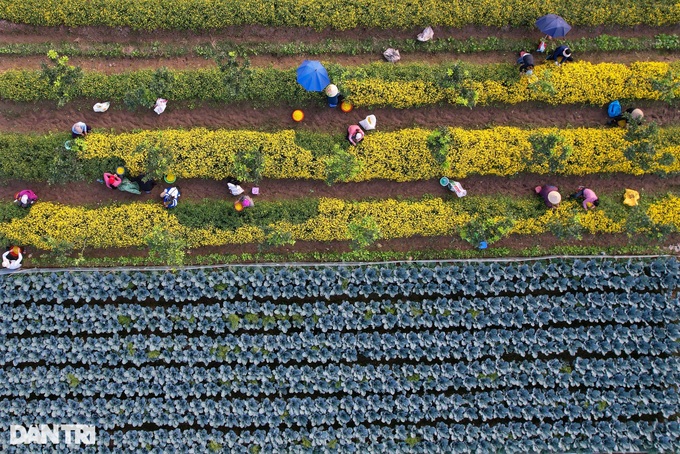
x=12 y=258
x=563 y=52
x=145 y=186
x=332 y=95
x=170 y=196
x=355 y=134
x=243 y=202
x=549 y=194
x=25 y=198
x=111 y=180
x=526 y=63
x=622 y=120
x=590 y=199
x=80 y=129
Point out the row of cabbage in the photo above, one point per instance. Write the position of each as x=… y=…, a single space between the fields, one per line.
x=310 y=348
x=294 y=412
x=520 y=381
x=407 y=280
x=386 y=314
x=514 y=437
x=548 y=363
x=607 y=389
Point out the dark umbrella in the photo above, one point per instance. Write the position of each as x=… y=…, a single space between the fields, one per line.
x=312 y=76
x=553 y=25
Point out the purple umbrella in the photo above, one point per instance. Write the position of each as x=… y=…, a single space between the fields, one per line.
x=553 y=25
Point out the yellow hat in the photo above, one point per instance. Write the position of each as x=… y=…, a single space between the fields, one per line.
x=631 y=197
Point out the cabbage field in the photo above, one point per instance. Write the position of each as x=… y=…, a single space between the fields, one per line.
x=553 y=355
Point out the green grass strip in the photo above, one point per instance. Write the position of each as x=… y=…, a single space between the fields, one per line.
x=221 y=214
x=156 y=49
x=367 y=255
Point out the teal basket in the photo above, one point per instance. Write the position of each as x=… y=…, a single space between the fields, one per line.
x=444 y=181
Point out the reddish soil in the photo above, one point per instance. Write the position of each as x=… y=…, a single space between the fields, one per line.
x=13 y=33
x=118 y=65
x=81 y=193
x=42 y=117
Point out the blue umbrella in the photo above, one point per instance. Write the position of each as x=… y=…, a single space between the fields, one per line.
x=553 y=25
x=312 y=75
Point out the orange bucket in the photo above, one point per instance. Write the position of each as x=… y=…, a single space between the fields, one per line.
x=298 y=115
x=346 y=106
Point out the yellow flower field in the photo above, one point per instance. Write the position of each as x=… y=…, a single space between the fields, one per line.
x=210 y=14
x=398 y=155
x=579 y=82
x=128 y=225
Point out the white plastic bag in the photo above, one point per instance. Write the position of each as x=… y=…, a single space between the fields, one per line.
x=368 y=123
x=458 y=189
x=159 y=108
x=426 y=34
x=101 y=106
x=392 y=55
x=235 y=189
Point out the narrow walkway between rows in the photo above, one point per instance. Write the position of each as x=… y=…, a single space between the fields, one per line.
x=82 y=193
x=43 y=117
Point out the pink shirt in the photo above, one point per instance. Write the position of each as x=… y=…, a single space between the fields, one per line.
x=589 y=197
x=112 y=180
x=352 y=131
x=28 y=193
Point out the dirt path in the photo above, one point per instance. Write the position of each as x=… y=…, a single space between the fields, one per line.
x=44 y=117
x=193 y=189
x=118 y=65
x=430 y=246
x=18 y=33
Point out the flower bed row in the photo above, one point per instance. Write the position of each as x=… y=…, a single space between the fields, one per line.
x=580 y=82
x=202 y=153
x=379 y=84
x=128 y=225
x=199 y=153
x=206 y=14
